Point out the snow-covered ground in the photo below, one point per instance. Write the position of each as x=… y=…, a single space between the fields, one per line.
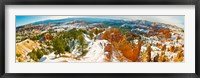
x=95 y=53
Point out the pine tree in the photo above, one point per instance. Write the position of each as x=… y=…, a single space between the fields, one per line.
x=82 y=43
x=91 y=35
x=58 y=46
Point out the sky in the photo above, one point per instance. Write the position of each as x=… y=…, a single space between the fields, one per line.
x=175 y=20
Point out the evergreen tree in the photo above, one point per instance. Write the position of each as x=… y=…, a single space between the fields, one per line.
x=67 y=48
x=58 y=46
x=82 y=43
x=35 y=54
x=39 y=53
x=91 y=35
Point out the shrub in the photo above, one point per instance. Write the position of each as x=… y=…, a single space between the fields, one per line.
x=84 y=52
x=35 y=54
x=18 y=55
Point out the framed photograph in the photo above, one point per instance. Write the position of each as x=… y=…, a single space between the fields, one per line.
x=109 y=39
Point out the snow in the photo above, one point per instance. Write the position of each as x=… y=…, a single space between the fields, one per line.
x=44 y=58
x=86 y=38
x=154 y=48
x=95 y=53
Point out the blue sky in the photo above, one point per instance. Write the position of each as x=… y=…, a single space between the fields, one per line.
x=21 y=20
x=176 y=20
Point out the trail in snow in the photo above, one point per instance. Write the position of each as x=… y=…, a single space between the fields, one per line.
x=95 y=52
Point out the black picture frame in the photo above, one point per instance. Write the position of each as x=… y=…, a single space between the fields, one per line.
x=98 y=2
